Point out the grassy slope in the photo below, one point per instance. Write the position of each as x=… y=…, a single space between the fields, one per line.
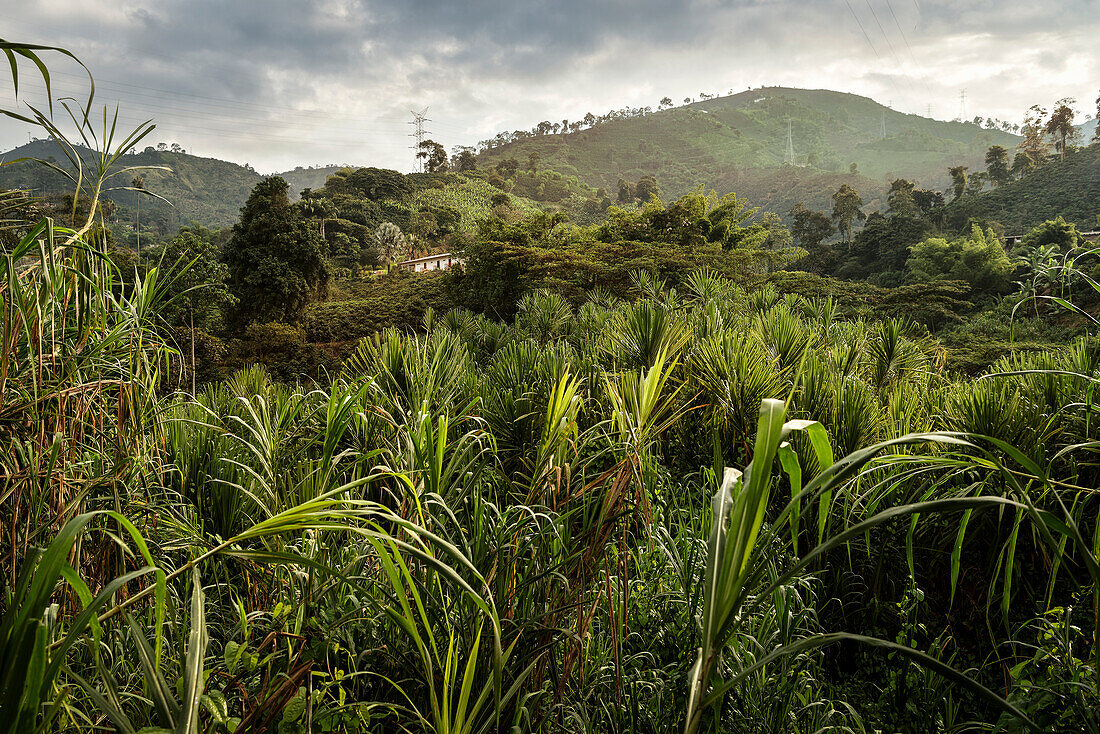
x=471 y=197
x=738 y=142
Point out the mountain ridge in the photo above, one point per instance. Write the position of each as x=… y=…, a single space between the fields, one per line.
x=744 y=137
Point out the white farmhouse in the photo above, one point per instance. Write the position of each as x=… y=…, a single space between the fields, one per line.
x=439 y=261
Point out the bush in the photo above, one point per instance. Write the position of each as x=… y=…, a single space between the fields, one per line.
x=398 y=299
x=282 y=349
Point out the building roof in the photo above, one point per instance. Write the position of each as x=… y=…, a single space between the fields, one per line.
x=429 y=258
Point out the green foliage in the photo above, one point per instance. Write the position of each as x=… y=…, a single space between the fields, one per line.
x=1055 y=233
x=1064 y=188
x=669 y=242
x=880 y=250
x=198 y=295
x=398 y=299
x=276 y=264
x=478 y=525
x=846 y=210
x=471 y=198
x=979 y=259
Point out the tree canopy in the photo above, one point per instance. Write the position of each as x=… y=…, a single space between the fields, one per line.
x=276 y=261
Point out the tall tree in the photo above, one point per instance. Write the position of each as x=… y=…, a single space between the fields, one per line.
x=434 y=156
x=275 y=259
x=533 y=162
x=846 y=210
x=996 y=165
x=1060 y=125
x=899 y=200
x=1033 y=131
x=315 y=206
x=646 y=188
x=976 y=182
x=463 y=160
x=958 y=180
x=1022 y=163
x=810 y=229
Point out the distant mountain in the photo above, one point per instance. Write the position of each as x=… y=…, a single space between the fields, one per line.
x=307 y=178
x=1085 y=131
x=739 y=143
x=734 y=143
x=204 y=190
x=1069 y=188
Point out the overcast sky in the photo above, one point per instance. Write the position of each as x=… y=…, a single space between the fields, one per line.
x=281 y=83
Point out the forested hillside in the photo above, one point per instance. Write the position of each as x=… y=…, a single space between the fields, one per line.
x=203 y=190
x=1068 y=188
x=740 y=140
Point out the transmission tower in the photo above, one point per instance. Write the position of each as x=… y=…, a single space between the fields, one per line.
x=962 y=106
x=788 y=157
x=419 y=118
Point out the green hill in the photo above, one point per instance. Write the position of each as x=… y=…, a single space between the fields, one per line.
x=1069 y=188
x=469 y=196
x=739 y=142
x=204 y=190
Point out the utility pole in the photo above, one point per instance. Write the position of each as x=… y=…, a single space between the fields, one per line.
x=884 y=124
x=788 y=157
x=418 y=134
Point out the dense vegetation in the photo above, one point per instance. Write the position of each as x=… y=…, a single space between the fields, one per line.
x=640 y=474
x=1068 y=189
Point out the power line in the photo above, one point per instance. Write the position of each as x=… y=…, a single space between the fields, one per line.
x=419 y=118
x=860 y=24
x=889 y=45
x=912 y=56
x=878 y=56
